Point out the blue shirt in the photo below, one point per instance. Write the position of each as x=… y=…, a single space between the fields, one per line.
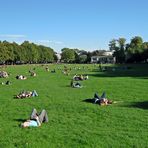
x=33 y=123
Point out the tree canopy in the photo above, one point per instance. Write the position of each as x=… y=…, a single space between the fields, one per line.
x=25 y=53
x=135 y=51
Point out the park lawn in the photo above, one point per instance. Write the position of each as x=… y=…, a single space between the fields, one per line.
x=72 y=121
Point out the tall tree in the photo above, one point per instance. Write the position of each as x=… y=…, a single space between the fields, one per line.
x=118 y=48
x=68 y=55
x=135 y=50
x=121 y=52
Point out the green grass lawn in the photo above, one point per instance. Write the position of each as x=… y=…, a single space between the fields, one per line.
x=73 y=122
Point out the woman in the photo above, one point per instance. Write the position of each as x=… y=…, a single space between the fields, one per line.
x=35 y=119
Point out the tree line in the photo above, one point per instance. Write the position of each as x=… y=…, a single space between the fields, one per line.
x=78 y=56
x=13 y=53
x=133 y=52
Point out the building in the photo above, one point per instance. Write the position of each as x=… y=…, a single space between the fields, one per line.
x=106 y=57
x=58 y=57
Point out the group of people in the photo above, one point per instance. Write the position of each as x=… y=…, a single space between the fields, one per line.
x=74 y=82
x=26 y=94
x=36 y=119
x=77 y=77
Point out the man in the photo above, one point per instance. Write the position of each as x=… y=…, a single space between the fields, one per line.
x=35 y=119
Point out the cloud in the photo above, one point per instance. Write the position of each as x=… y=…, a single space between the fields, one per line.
x=12 y=36
x=49 y=42
x=58 y=42
x=43 y=41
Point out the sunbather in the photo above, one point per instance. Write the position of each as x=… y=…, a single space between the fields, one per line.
x=3 y=74
x=101 y=100
x=80 y=77
x=33 y=74
x=27 y=94
x=24 y=94
x=8 y=83
x=21 y=77
x=36 y=119
x=76 y=84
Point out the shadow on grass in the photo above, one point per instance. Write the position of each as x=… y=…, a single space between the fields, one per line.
x=88 y=100
x=123 y=71
x=135 y=74
x=20 y=120
x=142 y=105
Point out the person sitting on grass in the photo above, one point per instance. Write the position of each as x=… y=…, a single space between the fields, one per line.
x=36 y=119
x=101 y=100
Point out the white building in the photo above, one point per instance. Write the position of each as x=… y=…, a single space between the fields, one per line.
x=58 y=57
x=106 y=57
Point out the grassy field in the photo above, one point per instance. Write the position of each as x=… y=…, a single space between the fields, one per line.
x=73 y=122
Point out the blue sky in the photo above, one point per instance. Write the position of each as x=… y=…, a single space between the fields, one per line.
x=83 y=24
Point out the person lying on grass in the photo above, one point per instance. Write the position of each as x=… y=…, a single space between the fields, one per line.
x=26 y=94
x=80 y=77
x=53 y=71
x=21 y=77
x=7 y=83
x=47 y=68
x=33 y=74
x=3 y=74
x=36 y=119
x=75 y=84
x=101 y=100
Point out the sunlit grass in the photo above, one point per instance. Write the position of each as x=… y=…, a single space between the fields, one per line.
x=73 y=122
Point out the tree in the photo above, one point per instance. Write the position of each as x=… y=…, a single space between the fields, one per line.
x=68 y=55
x=112 y=45
x=118 y=48
x=135 y=50
x=121 y=52
x=145 y=51
x=25 y=53
x=83 y=58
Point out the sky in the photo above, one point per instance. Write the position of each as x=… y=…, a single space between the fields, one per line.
x=84 y=24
